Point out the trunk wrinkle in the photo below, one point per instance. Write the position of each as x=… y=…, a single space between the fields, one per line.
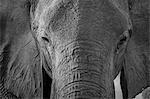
x=62 y=47
x=83 y=52
x=81 y=70
x=84 y=83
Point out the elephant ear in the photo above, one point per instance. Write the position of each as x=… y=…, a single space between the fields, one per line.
x=137 y=58
x=120 y=49
x=23 y=73
x=136 y=71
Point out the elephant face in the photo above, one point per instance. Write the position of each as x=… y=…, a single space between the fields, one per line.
x=82 y=45
x=82 y=42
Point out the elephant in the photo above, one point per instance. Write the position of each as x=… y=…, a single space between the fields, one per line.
x=73 y=49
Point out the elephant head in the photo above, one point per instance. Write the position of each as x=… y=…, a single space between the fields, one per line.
x=81 y=42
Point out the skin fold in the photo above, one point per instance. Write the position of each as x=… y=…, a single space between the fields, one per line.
x=73 y=49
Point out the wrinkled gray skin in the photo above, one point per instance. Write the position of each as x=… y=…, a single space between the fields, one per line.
x=81 y=44
x=20 y=70
x=137 y=58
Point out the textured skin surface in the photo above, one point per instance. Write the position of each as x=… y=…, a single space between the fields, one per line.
x=20 y=71
x=81 y=44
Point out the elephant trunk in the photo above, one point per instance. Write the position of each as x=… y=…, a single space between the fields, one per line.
x=83 y=72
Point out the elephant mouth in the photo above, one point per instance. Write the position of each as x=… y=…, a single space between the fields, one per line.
x=80 y=72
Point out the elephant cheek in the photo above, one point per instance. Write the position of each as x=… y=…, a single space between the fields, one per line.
x=81 y=72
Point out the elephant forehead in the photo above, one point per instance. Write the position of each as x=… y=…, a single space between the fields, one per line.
x=87 y=14
x=54 y=6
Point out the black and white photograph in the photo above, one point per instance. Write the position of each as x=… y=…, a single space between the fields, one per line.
x=74 y=49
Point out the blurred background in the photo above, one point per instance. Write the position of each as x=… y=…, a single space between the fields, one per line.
x=118 y=89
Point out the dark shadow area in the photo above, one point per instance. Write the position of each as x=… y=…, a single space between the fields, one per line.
x=47 y=81
x=123 y=83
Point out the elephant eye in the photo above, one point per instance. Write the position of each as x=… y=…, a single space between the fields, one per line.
x=45 y=39
x=122 y=42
